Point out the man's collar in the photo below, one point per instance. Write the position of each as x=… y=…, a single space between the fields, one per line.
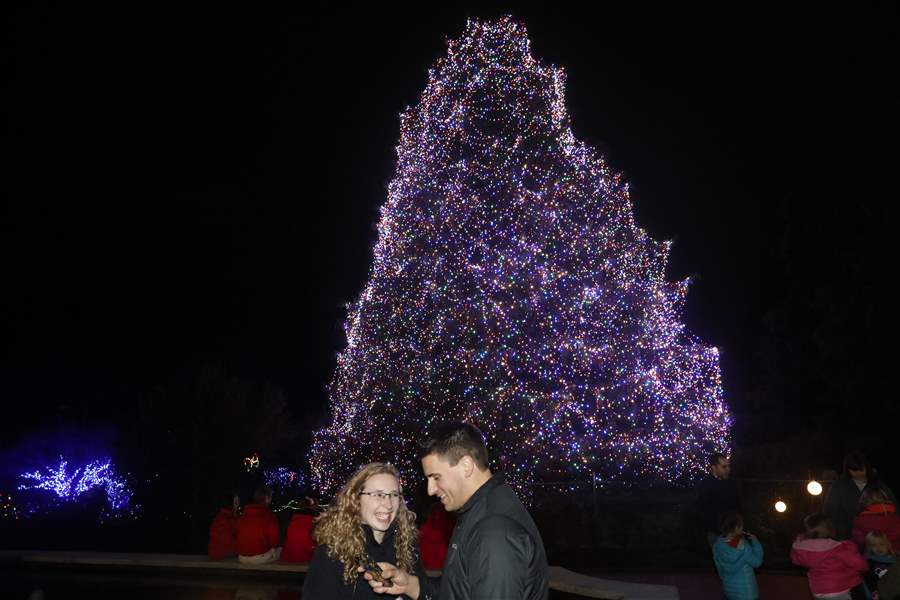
x=486 y=487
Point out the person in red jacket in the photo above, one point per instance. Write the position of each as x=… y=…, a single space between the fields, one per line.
x=298 y=544
x=258 y=537
x=435 y=535
x=223 y=530
x=835 y=567
x=878 y=514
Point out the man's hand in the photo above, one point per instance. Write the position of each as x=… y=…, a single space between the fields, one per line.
x=401 y=582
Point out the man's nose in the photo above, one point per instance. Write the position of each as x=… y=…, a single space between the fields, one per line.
x=432 y=489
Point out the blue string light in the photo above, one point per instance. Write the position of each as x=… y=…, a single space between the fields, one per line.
x=71 y=486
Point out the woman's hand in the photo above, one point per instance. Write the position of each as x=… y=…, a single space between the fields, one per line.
x=396 y=581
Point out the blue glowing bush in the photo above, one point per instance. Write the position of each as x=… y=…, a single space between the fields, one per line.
x=60 y=486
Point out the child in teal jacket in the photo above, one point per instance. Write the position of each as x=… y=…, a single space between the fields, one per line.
x=736 y=555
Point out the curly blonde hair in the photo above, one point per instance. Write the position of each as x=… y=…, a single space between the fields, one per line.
x=340 y=526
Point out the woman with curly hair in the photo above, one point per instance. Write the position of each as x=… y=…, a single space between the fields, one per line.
x=367 y=522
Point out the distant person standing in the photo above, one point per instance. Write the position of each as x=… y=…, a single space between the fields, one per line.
x=877 y=513
x=882 y=558
x=842 y=502
x=718 y=495
x=835 y=568
x=736 y=554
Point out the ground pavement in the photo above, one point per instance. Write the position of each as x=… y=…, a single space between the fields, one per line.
x=705 y=585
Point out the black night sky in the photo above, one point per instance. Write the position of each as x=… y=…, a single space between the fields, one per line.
x=190 y=187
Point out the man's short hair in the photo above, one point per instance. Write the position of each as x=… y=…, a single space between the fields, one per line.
x=452 y=441
x=715 y=457
x=857 y=461
x=261 y=494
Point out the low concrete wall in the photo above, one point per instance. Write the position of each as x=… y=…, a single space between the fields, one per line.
x=561 y=579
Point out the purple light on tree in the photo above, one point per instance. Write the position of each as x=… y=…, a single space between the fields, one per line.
x=512 y=288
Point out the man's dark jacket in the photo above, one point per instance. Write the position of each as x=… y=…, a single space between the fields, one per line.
x=717 y=496
x=496 y=552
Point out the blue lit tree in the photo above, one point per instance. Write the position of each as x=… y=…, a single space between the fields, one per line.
x=53 y=486
x=512 y=288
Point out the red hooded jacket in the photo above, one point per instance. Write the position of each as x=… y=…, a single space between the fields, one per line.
x=877 y=517
x=435 y=537
x=222 y=535
x=257 y=530
x=299 y=545
x=833 y=566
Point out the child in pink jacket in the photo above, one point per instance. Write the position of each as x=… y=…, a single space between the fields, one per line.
x=835 y=568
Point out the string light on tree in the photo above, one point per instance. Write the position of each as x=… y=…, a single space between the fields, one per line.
x=283 y=478
x=8 y=510
x=71 y=486
x=512 y=288
x=251 y=462
x=814 y=488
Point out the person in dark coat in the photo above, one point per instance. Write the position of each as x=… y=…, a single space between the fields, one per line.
x=718 y=495
x=842 y=501
x=496 y=550
x=368 y=522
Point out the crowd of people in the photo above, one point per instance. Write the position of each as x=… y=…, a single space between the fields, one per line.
x=366 y=544
x=849 y=550
x=252 y=533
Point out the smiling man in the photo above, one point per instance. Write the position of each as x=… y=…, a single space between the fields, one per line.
x=496 y=550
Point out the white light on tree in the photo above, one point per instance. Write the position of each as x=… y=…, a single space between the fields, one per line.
x=814 y=488
x=780 y=506
x=512 y=288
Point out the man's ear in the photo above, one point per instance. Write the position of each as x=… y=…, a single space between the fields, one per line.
x=468 y=465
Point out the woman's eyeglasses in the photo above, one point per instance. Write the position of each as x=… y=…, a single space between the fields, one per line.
x=392 y=496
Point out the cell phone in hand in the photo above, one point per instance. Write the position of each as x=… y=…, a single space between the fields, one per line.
x=371 y=567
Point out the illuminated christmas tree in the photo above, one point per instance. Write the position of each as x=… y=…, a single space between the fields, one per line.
x=512 y=288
